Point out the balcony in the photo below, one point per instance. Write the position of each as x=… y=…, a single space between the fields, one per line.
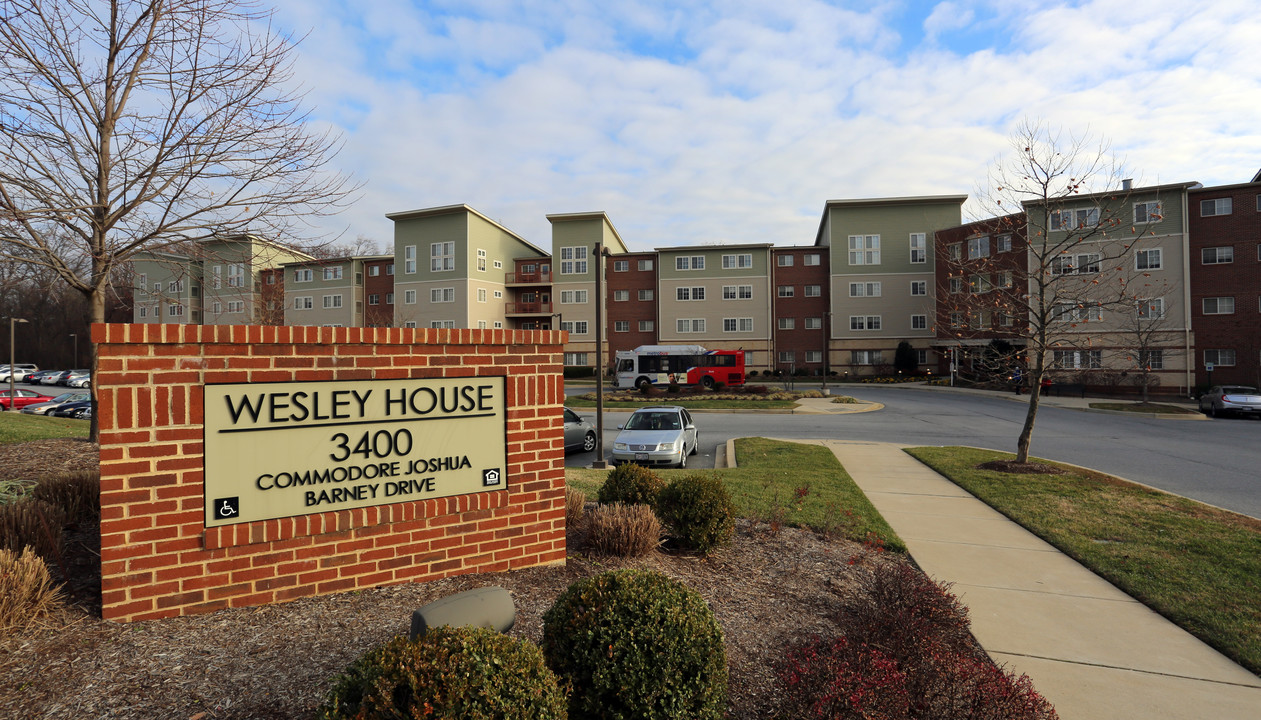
x=538 y=277
x=528 y=308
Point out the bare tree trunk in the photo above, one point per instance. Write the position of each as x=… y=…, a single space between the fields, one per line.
x=1026 y=432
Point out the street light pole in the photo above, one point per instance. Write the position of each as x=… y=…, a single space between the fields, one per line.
x=75 y=362
x=13 y=321
x=599 y=463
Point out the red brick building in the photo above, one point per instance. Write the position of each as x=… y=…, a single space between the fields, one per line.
x=631 y=301
x=1225 y=233
x=378 y=292
x=800 y=332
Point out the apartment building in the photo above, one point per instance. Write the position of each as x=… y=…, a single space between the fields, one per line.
x=576 y=240
x=633 y=309
x=1225 y=287
x=331 y=292
x=217 y=281
x=800 y=309
x=880 y=261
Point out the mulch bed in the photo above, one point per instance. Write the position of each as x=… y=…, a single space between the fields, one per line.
x=767 y=590
x=1025 y=468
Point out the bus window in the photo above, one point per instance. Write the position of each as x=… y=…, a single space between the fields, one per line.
x=627 y=365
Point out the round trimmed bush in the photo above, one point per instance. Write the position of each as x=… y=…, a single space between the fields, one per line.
x=636 y=644
x=448 y=673
x=631 y=484
x=698 y=511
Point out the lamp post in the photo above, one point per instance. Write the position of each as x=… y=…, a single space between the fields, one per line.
x=13 y=321
x=75 y=362
x=600 y=254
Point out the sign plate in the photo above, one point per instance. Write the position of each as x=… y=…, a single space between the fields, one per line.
x=277 y=450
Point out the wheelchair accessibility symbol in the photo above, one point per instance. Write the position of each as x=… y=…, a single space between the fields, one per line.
x=226 y=508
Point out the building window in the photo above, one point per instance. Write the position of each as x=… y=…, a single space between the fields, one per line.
x=144 y=311
x=737 y=325
x=578 y=327
x=736 y=262
x=954 y=252
x=1003 y=279
x=814 y=356
x=304 y=303
x=374 y=299
x=1002 y=244
x=440 y=324
x=814 y=323
x=1147 y=259
x=864 y=249
x=142 y=283
x=956 y=285
x=647 y=325
x=573 y=297
x=176 y=310
x=645 y=295
x=441 y=257
x=981 y=320
x=1151 y=359
x=784 y=260
x=956 y=320
x=1220 y=358
x=409 y=324
x=621 y=326
x=271 y=278
x=864 y=322
x=978 y=247
x=573 y=260
x=816 y=290
x=481 y=295
x=389 y=270
x=689 y=293
x=409 y=260
x=1076 y=313
x=689 y=262
x=1219 y=306
x=785 y=291
x=1006 y=319
x=1218 y=206
x=786 y=323
x=573 y=359
x=919 y=287
x=1147 y=212
x=690 y=325
x=374 y=270
x=737 y=292
x=787 y=356
x=978 y=284
x=439 y=295
x=811 y=259
x=389 y=298
x=865 y=357
x=238 y=306
x=216 y=307
x=621 y=295
x=621 y=265
x=871 y=289
x=236 y=275
x=1218 y=255
x=1075 y=264
x=499 y=294
x=1151 y=309
x=645 y=265
x=301 y=275
x=481 y=260
x=498 y=324
x=919 y=248
x=330 y=273
x=1077 y=359
x=919 y=322
x=1073 y=219
x=409 y=297
x=921 y=356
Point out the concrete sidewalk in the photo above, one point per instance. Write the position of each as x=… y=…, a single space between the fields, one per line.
x=1090 y=649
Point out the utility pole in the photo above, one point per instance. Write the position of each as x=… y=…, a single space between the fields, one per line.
x=13 y=398
x=599 y=463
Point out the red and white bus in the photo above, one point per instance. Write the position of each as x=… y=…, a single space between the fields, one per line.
x=683 y=364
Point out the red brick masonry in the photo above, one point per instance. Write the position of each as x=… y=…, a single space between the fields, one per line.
x=159 y=560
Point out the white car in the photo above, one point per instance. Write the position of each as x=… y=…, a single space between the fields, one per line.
x=18 y=373
x=657 y=436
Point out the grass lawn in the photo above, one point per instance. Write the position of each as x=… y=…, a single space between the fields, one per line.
x=687 y=402
x=785 y=483
x=1198 y=566
x=1138 y=407
x=16 y=427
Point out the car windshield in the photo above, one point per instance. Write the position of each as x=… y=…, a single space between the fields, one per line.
x=654 y=421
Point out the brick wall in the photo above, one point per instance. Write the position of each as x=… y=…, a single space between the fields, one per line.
x=159 y=560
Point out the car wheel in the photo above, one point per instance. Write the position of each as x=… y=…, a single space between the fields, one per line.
x=696 y=445
x=683 y=459
x=708 y=382
x=588 y=442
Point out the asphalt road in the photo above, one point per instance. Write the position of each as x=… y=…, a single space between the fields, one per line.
x=1214 y=461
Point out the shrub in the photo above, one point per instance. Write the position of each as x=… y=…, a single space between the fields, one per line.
x=698 y=511
x=34 y=523
x=575 y=505
x=78 y=494
x=578 y=372
x=636 y=644
x=631 y=484
x=626 y=530
x=897 y=607
x=451 y=673
x=26 y=590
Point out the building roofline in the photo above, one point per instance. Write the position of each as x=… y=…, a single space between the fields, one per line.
x=340 y=258
x=876 y=202
x=1187 y=186
x=1234 y=186
x=697 y=248
x=592 y=215
x=453 y=209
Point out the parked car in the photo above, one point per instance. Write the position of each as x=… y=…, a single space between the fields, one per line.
x=62 y=399
x=71 y=375
x=1223 y=400
x=656 y=436
x=21 y=398
x=52 y=377
x=37 y=378
x=18 y=372
x=81 y=381
x=72 y=409
x=579 y=434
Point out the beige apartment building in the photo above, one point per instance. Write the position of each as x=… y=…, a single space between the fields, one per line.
x=328 y=292
x=576 y=238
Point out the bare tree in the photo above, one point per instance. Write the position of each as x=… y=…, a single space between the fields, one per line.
x=137 y=125
x=1075 y=207
x=1152 y=337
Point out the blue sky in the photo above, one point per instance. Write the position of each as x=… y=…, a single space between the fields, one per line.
x=735 y=120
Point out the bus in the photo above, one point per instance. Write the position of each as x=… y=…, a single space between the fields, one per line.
x=649 y=365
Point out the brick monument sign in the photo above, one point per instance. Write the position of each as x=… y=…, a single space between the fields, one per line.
x=248 y=465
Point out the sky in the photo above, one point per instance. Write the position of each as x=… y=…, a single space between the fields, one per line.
x=734 y=121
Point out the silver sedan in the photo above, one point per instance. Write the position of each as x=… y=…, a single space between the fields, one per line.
x=656 y=436
x=1227 y=399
